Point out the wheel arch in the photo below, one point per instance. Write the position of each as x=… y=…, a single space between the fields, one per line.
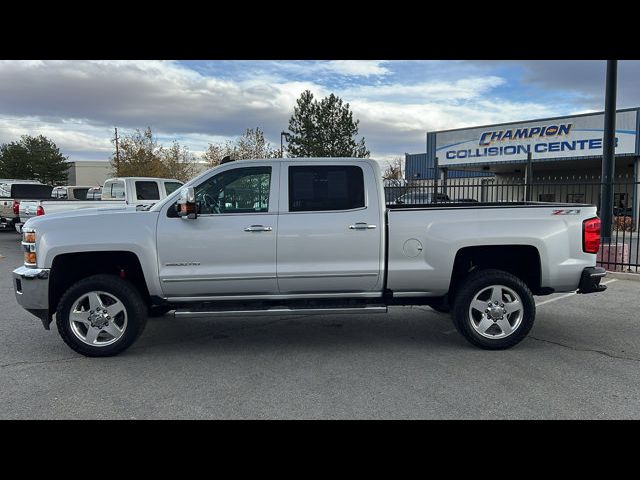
x=69 y=268
x=523 y=261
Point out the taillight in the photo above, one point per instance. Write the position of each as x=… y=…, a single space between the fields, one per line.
x=591 y=235
x=16 y=207
x=39 y=211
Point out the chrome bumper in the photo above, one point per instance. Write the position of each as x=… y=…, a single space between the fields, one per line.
x=31 y=286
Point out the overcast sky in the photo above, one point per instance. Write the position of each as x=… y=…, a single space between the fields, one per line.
x=77 y=103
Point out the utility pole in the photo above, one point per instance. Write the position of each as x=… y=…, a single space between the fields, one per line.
x=608 y=151
x=283 y=135
x=117 y=154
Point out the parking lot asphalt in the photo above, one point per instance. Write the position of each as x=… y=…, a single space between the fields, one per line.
x=581 y=360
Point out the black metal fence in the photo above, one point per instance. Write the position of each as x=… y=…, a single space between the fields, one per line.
x=620 y=252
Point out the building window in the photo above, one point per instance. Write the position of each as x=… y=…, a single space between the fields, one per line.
x=546 y=197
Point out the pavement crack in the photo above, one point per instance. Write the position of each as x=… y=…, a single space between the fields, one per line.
x=592 y=350
x=30 y=362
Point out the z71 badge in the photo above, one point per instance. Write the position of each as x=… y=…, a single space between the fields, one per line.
x=575 y=211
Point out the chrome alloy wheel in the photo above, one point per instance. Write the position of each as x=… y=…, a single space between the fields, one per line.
x=98 y=318
x=496 y=312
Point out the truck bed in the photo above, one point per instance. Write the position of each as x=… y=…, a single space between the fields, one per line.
x=470 y=205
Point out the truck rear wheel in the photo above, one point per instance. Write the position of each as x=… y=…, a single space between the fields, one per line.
x=101 y=315
x=494 y=309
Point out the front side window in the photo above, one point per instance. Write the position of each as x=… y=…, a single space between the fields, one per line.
x=147 y=191
x=325 y=188
x=241 y=190
x=171 y=187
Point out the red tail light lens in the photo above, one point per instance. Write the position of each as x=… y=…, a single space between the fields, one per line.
x=40 y=211
x=591 y=235
x=16 y=208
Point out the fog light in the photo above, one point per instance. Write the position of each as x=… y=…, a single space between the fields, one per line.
x=30 y=258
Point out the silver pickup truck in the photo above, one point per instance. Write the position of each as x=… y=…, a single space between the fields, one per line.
x=301 y=236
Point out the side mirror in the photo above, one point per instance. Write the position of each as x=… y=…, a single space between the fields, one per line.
x=186 y=206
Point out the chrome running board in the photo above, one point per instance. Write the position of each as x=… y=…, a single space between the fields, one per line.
x=280 y=311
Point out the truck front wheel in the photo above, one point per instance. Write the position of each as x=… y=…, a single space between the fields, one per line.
x=494 y=309
x=101 y=315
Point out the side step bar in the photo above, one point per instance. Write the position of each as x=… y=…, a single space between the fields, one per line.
x=279 y=311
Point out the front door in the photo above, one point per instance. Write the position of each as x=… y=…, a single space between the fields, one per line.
x=230 y=248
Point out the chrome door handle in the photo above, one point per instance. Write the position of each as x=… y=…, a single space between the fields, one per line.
x=361 y=226
x=258 y=228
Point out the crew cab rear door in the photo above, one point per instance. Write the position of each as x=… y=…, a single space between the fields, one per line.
x=329 y=228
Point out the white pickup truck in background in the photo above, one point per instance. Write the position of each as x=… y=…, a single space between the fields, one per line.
x=12 y=193
x=302 y=236
x=142 y=192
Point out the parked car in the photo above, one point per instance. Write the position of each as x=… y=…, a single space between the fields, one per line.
x=70 y=192
x=12 y=193
x=141 y=192
x=94 y=193
x=419 y=198
x=623 y=211
x=301 y=236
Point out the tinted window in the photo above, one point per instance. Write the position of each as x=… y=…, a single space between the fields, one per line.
x=147 y=191
x=30 y=191
x=241 y=190
x=171 y=187
x=324 y=187
x=80 y=193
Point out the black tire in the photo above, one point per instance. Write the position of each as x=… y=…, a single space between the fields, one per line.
x=474 y=284
x=126 y=292
x=158 y=311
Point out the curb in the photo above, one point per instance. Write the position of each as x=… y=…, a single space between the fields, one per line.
x=623 y=276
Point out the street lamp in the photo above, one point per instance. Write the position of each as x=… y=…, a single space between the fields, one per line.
x=283 y=135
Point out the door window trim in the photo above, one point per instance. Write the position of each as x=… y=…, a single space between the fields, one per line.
x=274 y=198
x=285 y=189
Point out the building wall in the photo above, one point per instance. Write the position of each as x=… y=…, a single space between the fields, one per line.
x=89 y=172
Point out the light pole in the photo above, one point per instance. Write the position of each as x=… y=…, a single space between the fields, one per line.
x=608 y=150
x=282 y=136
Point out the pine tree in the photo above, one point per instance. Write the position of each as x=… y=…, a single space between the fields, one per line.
x=34 y=158
x=324 y=129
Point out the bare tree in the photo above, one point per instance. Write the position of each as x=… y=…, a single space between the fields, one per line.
x=393 y=170
x=177 y=162
x=251 y=144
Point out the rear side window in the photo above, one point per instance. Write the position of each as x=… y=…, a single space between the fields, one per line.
x=147 y=191
x=327 y=187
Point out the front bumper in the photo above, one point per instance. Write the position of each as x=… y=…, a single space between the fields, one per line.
x=31 y=286
x=590 y=280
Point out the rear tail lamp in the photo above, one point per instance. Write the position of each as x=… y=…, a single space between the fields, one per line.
x=591 y=235
x=40 y=211
x=16 y=207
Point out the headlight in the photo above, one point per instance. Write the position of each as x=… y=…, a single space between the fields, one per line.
x=29 y=246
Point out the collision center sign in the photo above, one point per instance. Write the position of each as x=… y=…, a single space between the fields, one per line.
x=567 y=137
